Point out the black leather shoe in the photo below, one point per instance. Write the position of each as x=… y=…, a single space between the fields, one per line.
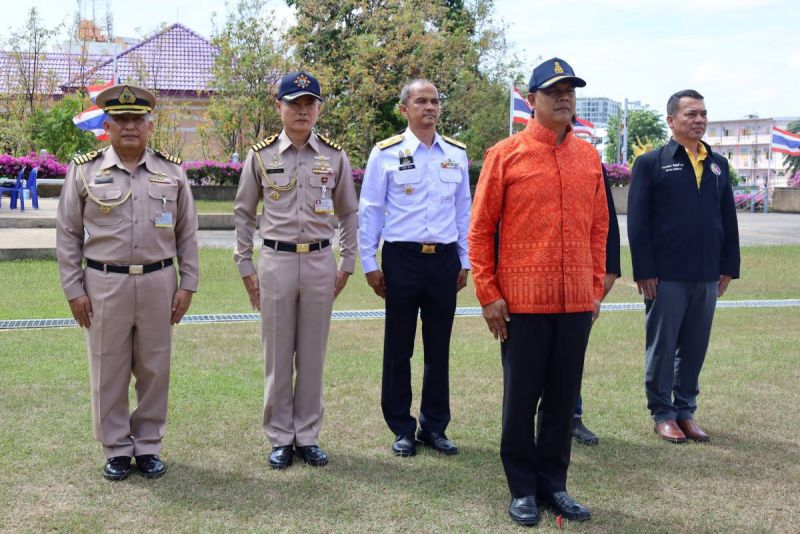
x=565 y=506
x=437 y=441
x=150 y=466
x=313 y=455
x=524 y=511
x=281 y=457
x=581 y=434
x=404 y=445
x=117 y=468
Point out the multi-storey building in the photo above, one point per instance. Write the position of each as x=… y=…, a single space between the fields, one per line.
x=746 y=144
x=597 y=110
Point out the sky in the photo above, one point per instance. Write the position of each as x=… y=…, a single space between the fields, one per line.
x=740 y=54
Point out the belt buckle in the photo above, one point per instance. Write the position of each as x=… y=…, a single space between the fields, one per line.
x=428 y=249
x=302 y=248
x=136 y=269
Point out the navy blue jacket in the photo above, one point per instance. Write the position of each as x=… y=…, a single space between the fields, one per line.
x=676 y=231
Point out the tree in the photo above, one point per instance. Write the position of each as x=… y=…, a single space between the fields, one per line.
x=645 y=128
x=792 y=163
x=251 y=60
x=54 y=131
x=363 y=51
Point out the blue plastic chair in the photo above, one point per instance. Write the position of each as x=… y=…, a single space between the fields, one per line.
x=30 y=186
x=13 y=190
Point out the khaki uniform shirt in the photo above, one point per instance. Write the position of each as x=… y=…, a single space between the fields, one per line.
x=322 y=170
x=126 y=234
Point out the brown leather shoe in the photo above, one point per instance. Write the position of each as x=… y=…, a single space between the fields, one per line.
x=669 y=431
x=693 y=431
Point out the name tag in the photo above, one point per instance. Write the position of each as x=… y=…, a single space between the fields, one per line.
x=323 y=206
x=407 y=167
x=104 y=180
x=159 y=179
x=164 y=219
x=274 y=171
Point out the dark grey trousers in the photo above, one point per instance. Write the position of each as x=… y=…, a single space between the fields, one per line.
x=678 y=326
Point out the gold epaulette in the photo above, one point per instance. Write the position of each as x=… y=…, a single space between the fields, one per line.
x=393 y=140
x=86 y=158
x=265 y=142
x=453 y=142
x=327 y=141
x=171 y=159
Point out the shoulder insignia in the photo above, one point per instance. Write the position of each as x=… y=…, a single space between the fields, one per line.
x=265 y=142
x=86 y=158
x=171 y=159
x=330 y=143
x=453 y=142
x=386 y=143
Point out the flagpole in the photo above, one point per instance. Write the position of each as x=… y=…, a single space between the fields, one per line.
x=511 y=109
x=769 y=171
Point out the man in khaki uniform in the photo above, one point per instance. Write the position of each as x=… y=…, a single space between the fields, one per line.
x=303 y=178
x=128 y=211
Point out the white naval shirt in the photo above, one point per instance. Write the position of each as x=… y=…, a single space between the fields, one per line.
x=425 y=200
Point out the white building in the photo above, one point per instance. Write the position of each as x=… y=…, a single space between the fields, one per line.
x=597 y=110
x=746 y=144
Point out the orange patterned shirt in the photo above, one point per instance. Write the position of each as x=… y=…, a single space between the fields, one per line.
x=550 y=202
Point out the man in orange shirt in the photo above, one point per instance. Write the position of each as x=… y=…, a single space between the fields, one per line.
x=544 y=187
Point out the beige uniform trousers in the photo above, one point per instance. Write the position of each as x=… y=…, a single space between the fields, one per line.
x=296 y=303
x=130 y=334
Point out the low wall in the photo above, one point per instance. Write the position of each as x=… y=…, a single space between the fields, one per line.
x=620 y=196
x=785 y=200
x=214 y=192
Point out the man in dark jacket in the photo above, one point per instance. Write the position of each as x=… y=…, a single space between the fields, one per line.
x=685 y=250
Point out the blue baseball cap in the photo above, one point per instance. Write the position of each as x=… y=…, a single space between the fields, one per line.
x=297 y=84
x=553 y=71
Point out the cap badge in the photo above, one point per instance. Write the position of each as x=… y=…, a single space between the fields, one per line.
x=302 y=81
x=126 y=96
x=557 y=68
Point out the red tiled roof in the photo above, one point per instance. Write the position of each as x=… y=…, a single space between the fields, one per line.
x=176 y=60
x=55 y=68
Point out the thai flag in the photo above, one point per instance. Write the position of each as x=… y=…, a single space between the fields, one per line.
x=522 y=111
x=785 y=142
x=91 y=119
x=582 y=127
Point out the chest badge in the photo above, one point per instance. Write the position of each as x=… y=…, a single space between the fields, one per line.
x=276 y=161
x=715 y=169
x=449 y=164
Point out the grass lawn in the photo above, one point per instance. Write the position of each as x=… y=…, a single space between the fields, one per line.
x=767 y=273
x=746 y=480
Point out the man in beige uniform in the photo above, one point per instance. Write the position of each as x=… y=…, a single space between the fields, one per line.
x=304 y=179
x=134 y=207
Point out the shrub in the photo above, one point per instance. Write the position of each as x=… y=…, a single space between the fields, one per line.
x=794 y=181
x=212 y=172
x=619 y=174
x=49 y=166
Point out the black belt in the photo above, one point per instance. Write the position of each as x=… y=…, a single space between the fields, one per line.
x=423 y=248
x=129 y=269
x=300 y=248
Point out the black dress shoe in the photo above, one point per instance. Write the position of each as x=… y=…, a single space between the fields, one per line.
x=583 y=435
x=117 y=468
x=150 y=466
x=524 y=511
x=404 y=445
x=313 y=455
x=564 y=505
x=437 y=441
x=281 y=457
